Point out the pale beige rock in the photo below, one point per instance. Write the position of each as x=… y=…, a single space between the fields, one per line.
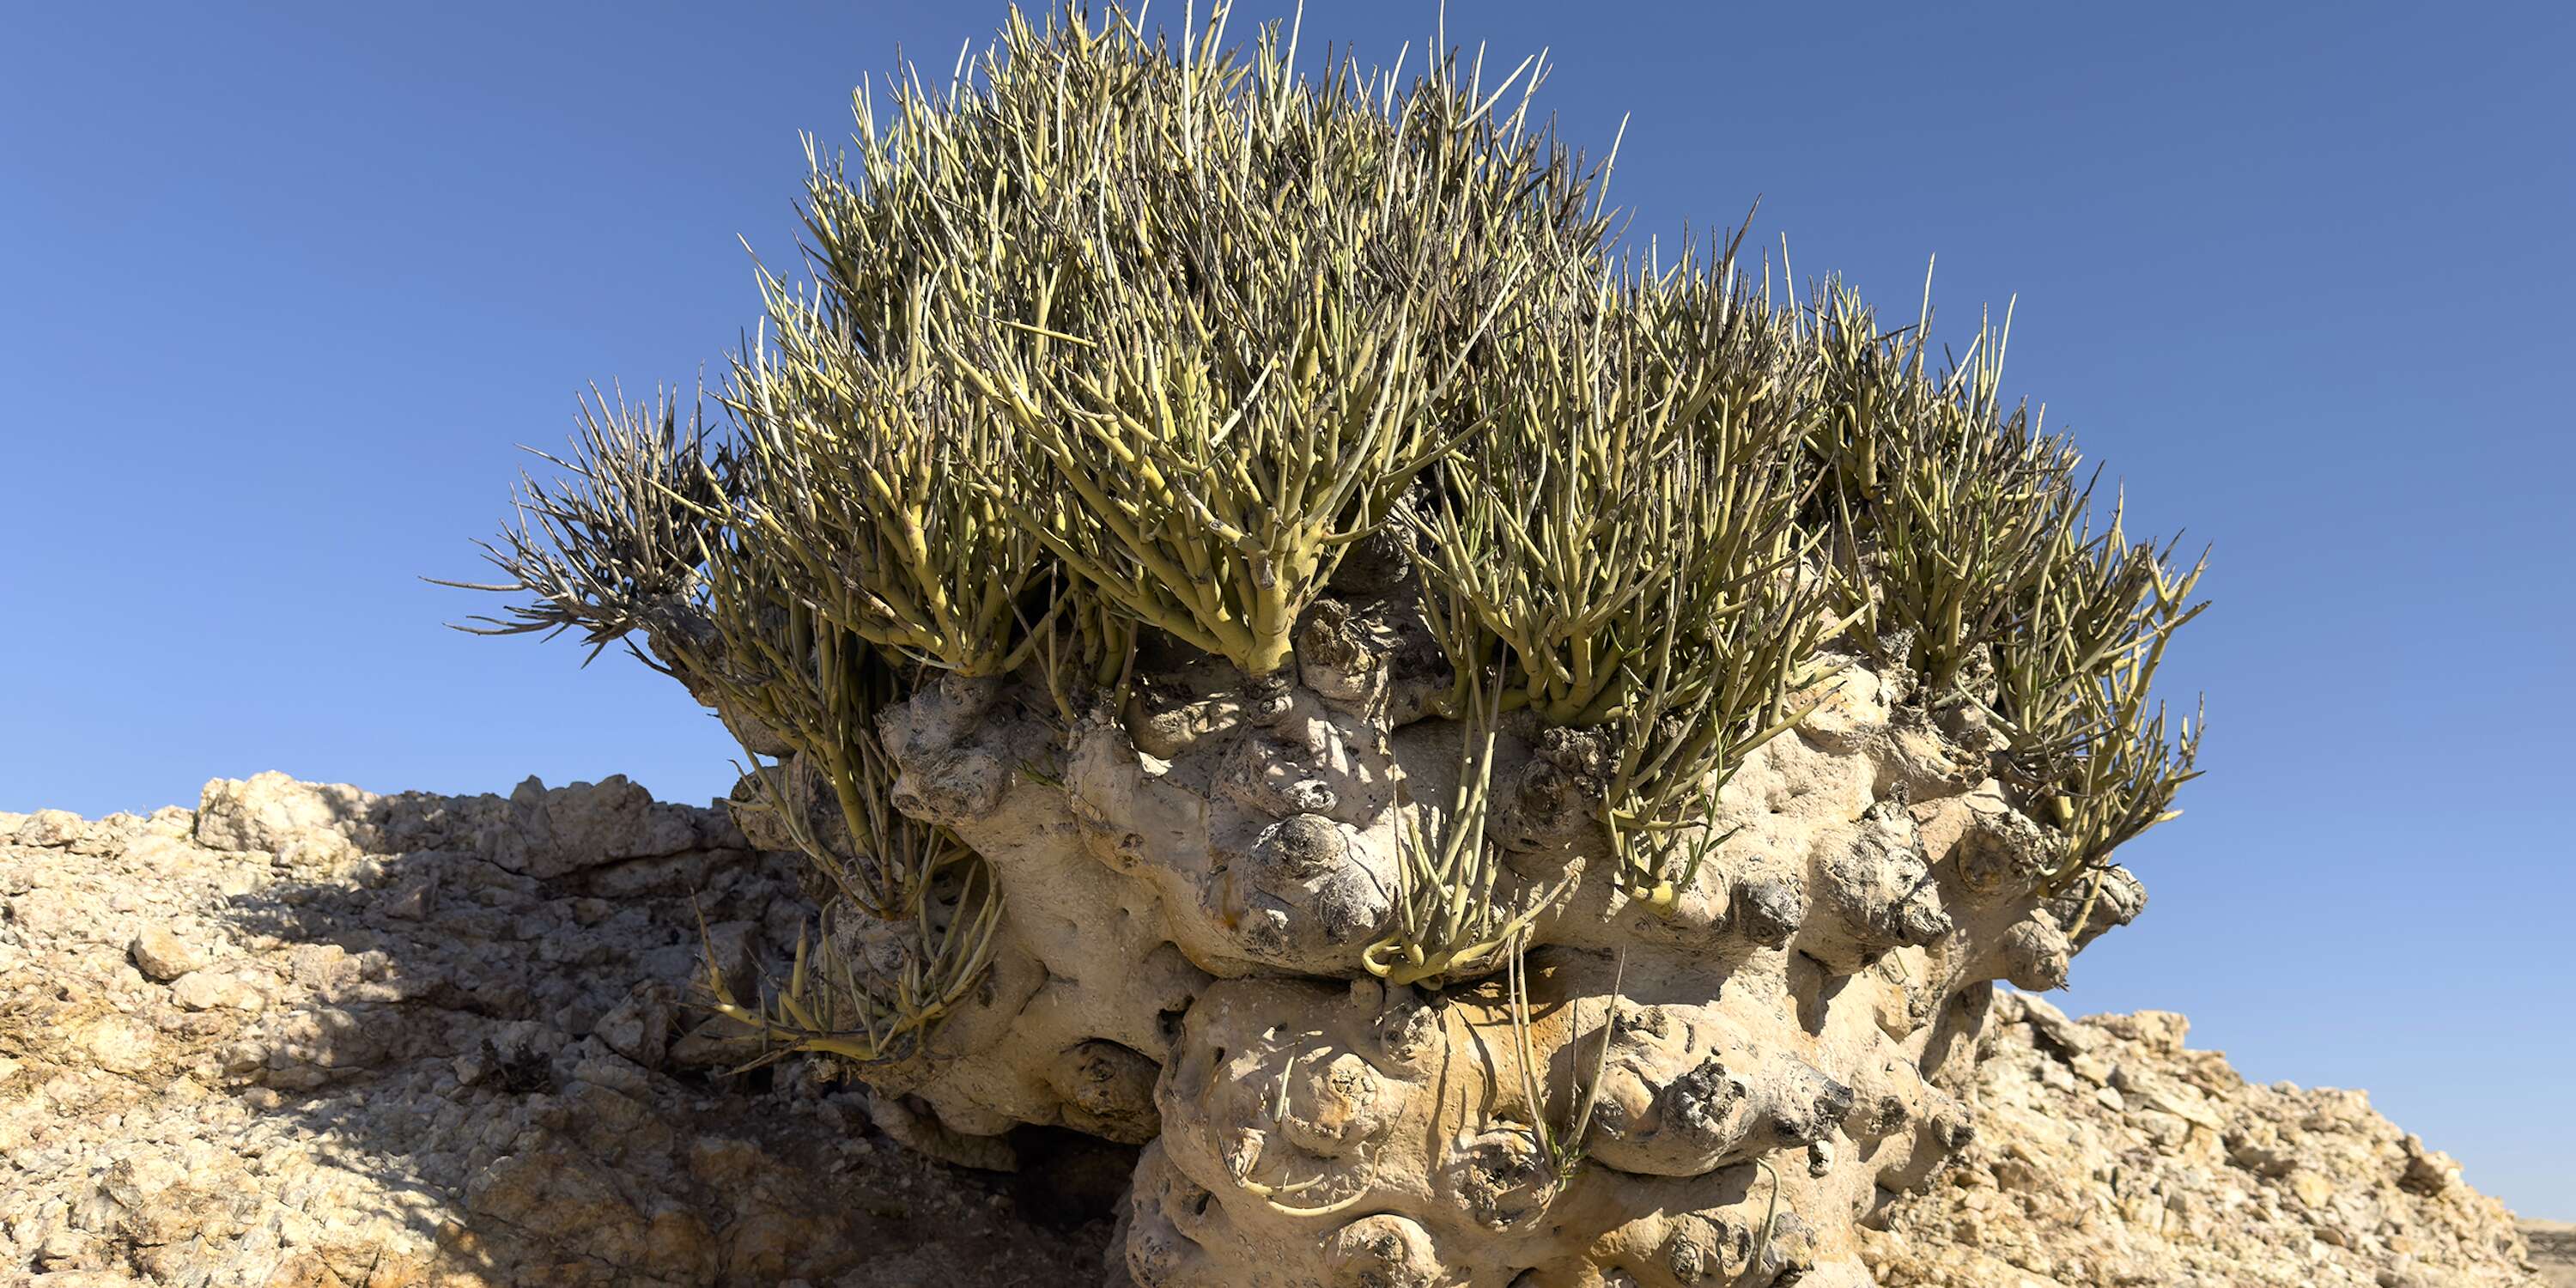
x=472 y=1096
x=164 y=956
x=117 y=1044
x=270 y=811
x=205 y=990
x=342 y=1095
x=51 y=828
x=2198 y=1180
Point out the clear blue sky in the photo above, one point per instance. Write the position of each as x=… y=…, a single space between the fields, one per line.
x=284 y=284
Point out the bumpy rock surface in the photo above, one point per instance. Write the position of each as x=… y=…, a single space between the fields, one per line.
x=309 y=1036
x=2108 y=1153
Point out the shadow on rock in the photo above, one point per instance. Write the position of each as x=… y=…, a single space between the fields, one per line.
x=308 y=1035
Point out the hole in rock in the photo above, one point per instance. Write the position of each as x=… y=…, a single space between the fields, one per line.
x=1067 y=1179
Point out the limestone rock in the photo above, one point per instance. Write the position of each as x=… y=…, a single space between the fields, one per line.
x=50 y=828
x=345 y=1083
x=2192 y=1178
x=268 y=811
x=505 y=1084
x=203 y=990
x=164 y=956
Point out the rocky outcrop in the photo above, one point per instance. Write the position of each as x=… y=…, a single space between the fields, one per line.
x=380 y=1051
x=2108 y=1153
x=305 y=1035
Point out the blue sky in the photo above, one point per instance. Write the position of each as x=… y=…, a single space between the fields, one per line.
x=285 y=284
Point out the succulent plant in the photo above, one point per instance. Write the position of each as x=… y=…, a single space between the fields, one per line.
x=1494 y=756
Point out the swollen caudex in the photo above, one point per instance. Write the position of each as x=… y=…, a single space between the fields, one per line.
x=1503 y=766
x=1803 y=1013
